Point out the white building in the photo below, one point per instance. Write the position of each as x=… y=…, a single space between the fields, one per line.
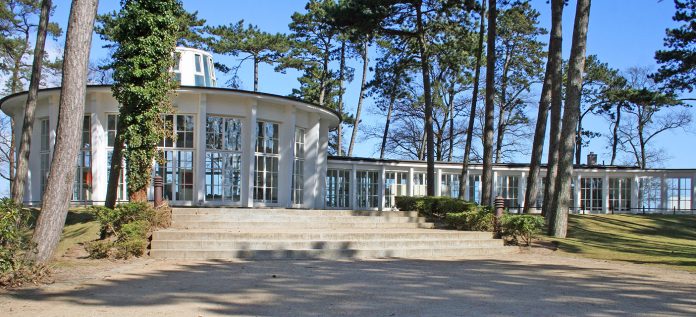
x=247 y=149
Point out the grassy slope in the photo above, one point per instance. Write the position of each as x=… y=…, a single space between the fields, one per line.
x=80 y=227
x=660 y=240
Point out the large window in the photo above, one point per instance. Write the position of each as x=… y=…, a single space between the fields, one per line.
x=199 y=76
x=395 y=184
x=298 y=167
x=266 y=163
x=111 y=130
x=619 y=194
x=45 y=153
x=82 y=187
x=367 y=183
x=176 y=164
x=591 y=194
x=679 y=193
x=450 y=185
x=420 y=184
x=338 y=188
x=507 y=187
x=650 y=194
x=223 y=159
x=475 y=188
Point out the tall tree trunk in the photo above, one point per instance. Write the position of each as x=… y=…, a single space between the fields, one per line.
x=451 y=124
x=341 y=78
x=56 y=197
x=487 y=175
x=578 y=142
x=29 y=109
x=425 y=68
x=474 y=98
x=641 y=139
x=116 y=167
x=324 y=77
x=615 y=135
x=392 y=99
x=360 y=99
x=256 y=73
x=556 y=109
x=570 y=117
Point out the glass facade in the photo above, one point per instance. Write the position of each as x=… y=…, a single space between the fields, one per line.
x=420 y=184
x=82 y=187
x=338 y=188
x=591 y=194
x=650 y=194
x=475 y=188
x=450 y=185
x=111 y=130
x=678 y=193
x=508 y=187
x=266 y=163
x=223 y=159
x=395 y=184
x=367 y=185
x=619 y=195
x=45 y=152
x=176 y=163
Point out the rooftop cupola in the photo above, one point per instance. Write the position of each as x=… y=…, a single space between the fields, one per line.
x=194 y=67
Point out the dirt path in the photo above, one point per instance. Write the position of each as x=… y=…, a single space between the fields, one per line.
x=528 y=284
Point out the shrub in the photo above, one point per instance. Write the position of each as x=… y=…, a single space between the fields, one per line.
x=99 y=249
x=479 y=219
x=435 y=207
x=15 y=268
x=521 y=228
x=125 y=229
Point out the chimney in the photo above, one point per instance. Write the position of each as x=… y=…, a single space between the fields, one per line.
x=592 y=159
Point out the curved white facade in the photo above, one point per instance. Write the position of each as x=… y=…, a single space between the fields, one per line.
x=233 y=148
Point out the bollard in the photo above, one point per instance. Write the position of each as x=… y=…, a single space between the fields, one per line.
x=498 y=213
x=159 y=186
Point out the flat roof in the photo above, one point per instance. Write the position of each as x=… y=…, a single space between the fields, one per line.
x=216 y=89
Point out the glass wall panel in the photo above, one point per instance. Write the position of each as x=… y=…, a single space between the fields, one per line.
x=420 y=184
x=298 y=167
x=176 y=163
x=45 y=154
x=507 y=187
x=338 y=188
x=82 y=187
x=678 y=193
x=591 y=194
x=223 y=159
x=619 y=194
x=475 y=188
x=450 y=185
x=395 y=184
x=367 y=183
x=266 y=163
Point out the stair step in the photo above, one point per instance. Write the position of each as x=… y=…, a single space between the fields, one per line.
x=292 y=219
x=252 y=244
x=299 y=225
x=290 y=212
x=352 y=235
x=331 y=254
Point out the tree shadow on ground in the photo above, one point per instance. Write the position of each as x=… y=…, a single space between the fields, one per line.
x=381 y=288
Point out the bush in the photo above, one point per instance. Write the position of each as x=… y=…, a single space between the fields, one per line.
x=15 y=243
x=435 y=207
x=479 y=219
x=521 y=228
x=125 y=229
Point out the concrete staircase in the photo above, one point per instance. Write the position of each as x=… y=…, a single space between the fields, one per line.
x=224 y=233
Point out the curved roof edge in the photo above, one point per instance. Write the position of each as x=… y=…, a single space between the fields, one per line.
x=219 y=89
x=513 y=165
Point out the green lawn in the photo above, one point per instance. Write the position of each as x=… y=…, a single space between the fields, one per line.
x=80 y=227
x=659 y=240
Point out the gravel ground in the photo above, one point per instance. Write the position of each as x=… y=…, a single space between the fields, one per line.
x=527 y=284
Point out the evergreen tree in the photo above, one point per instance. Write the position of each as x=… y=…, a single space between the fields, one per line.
x=678 y=62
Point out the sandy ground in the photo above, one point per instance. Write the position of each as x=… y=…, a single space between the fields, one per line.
x=528 y=284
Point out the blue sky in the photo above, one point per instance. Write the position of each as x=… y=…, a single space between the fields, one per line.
x=623 y=33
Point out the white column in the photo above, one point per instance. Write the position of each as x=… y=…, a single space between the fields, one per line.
x=248 y=156
x=438 y=182
x=99 y=154
x=200 y=149
x=287 y=157
x=663 y=192
x=382 y=173
x=521 y=188
x=322 y=163
x=576 y=193
x=466 y=186
x=353 y=187
x=311 y=181
x=409 y=183
x=605 y=193
x=635 y=197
